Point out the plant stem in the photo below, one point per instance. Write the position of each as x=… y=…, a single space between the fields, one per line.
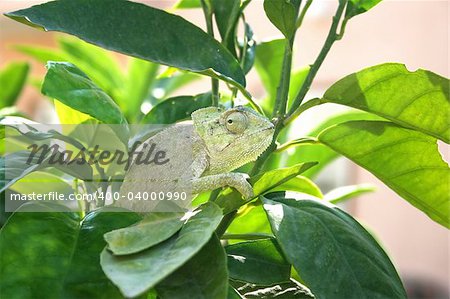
x=304 y=107
x=254 y=236
x=226 y=221
x=303 y=13
x=331 y=38
x=283 y=88
x=209 y=28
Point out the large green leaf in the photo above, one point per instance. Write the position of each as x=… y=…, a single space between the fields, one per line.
x=153 y=229
x=204 y=276
x=68 y=84
x=12 y=80
x=64 y=250
x=319 y=152
x=259 y=262
x=227 y=15
x=334 y=254
x=419 y=100
x=407 y=161
x=282 y=14
x=137 y=273
x=137 y=30
x=176 y=109
x=356 y=7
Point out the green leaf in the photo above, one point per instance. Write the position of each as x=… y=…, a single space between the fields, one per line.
x=35 y=131
x=68 y=84
x=10 y=111
x=230 y=199
x=227 y=15
x=274 y=178
x=344 y=193
x=41 y=183
x=12 y=81
x=141 y=75
x=204 y=276
x=16 y=166
x=319 y=152
x=65 y=251
x=282 y=14
x=184 y=4
x=41 y=54
x=96 y=62
x=356 y=7
x=340 y=259
x=405 y=160
x=297 y=78
x=137 y=273
x=250 y=53
x=137 y=32
x=268 y=62
x=153 y=229
x=176 y=109
x=250 y=219
x=419 y=100
x=259 y=262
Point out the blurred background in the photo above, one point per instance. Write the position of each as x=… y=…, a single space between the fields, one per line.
x=415 y=33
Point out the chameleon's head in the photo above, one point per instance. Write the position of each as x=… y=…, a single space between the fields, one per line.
x=235 y=136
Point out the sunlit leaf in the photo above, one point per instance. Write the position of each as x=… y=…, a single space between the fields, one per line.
x=282 y=14
x=419 y=100
x=356 y=7
x=405 y=160
x=12 y=81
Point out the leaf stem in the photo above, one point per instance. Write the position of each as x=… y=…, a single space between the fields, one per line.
x=304 y=140
x=331 y=38
x=210 y=29
x=303 y=13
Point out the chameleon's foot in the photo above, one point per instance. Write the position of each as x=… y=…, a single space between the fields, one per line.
x=236 y=180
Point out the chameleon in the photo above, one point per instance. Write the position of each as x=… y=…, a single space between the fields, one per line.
x=202 y=155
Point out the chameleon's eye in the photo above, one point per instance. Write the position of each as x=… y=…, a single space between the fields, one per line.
x=236 y=122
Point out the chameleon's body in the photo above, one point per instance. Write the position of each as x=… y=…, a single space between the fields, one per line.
x=202 y=155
